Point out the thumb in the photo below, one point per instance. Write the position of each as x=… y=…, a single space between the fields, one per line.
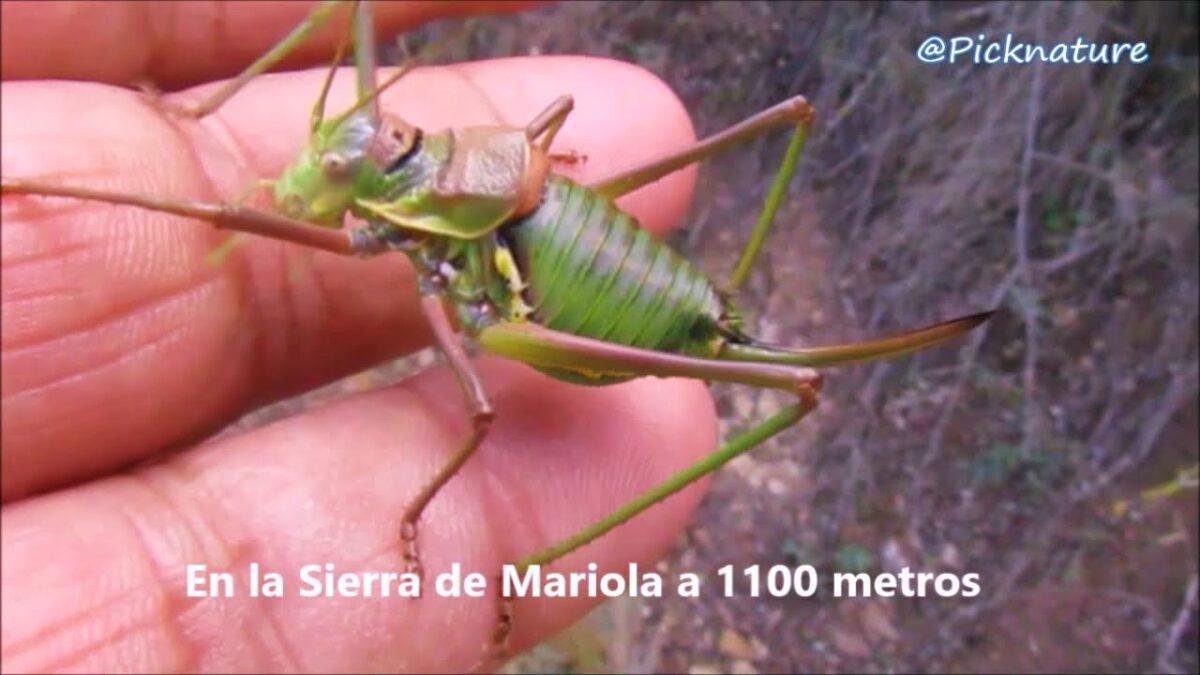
x=95 y=577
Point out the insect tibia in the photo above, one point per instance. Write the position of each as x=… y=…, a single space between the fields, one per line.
x=885 y=347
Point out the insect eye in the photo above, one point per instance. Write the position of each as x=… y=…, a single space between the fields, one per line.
x=334 y=166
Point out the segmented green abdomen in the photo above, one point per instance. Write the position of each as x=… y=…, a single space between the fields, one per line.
x=592 y=271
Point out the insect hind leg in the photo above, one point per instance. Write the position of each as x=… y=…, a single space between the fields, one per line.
x=545 y=348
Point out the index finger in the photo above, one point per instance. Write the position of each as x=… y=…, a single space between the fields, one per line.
x=120 y=340
x=179 y=43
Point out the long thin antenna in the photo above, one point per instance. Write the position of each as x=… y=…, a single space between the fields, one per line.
x=373 y=97
x=318 y=113
x=366 y=59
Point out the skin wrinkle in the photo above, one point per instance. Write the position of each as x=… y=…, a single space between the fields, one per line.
x=273 y=346
x=161 y=496
x=280 y=342
x=142 y=305
x=499 y=523
x=158 y=624
x=501 y=516
x=15 y=262
x=505 y=517
x=510 y=511
x=115 y=310
x=414 y=400
x=457 y=497
x=272 y=355
x=191 y=46
x=86 y=618
x=436 y=412
x=17 y=299
x=500 y=528
x=251 y=293
x=79 y=656
x=12 y=493
x=320 y=306
x=278 y=649
x=234 y=152
x=134 y=311
x=129 y=350
x=309 y=301
x=174 y=605
x=251 y=322
x=225 y=557
x=217 y=549
x=45 y=633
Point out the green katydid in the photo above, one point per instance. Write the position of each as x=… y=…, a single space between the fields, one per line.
x=536 y=267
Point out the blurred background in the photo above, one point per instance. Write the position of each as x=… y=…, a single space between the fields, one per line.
x=1054 y=452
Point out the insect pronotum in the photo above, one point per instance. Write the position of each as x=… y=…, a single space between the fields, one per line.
x=537 y=268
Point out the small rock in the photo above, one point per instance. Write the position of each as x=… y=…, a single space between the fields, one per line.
x=950 y=557
x=735 y=646
x=743 y=668
x=850 y=644
x=894 y=558
x=760 y=650
x=876 y=622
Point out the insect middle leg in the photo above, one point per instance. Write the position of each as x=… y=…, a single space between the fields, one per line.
x=795 y=110
x=542 y=347
x=482 y=415
x=545 y=126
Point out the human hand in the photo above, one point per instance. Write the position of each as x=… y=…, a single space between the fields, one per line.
x=120 y=344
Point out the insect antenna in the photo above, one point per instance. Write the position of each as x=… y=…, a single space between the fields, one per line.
x=318 y=113
x=372 y=97
x=367 y=62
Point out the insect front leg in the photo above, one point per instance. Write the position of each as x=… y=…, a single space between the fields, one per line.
x=481 y=412
x=542 y=347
